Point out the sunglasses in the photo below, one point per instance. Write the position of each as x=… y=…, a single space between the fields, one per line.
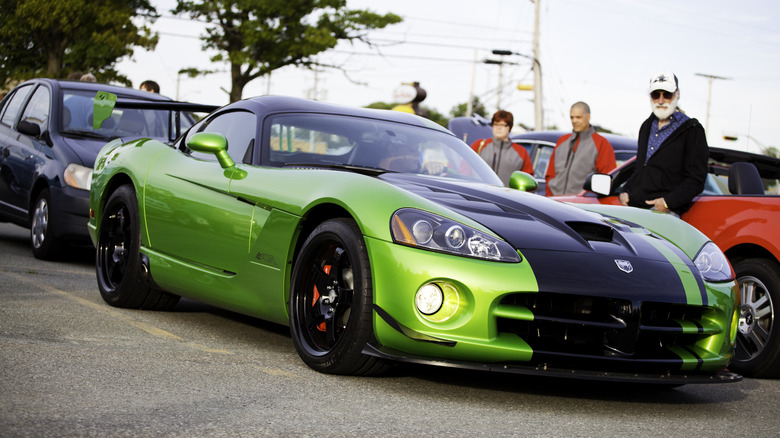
x=657 y=93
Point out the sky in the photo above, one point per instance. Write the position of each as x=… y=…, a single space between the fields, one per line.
x=601 y=52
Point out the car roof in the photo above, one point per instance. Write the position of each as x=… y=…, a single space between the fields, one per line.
x=618 y=142
x=124 y=92
x=282 y=104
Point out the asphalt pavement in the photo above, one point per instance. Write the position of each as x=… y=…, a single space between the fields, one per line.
x=72 y=366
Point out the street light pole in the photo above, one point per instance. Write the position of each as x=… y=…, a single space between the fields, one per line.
x=537 y=69
x=709 y=97
x=538 y=111
x=500 y=64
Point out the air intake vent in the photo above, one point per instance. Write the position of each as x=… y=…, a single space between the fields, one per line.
x=592 y=231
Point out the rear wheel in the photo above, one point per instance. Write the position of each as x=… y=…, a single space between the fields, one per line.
x=118 y=257
x=758 y=337
x=331 y=301
x=44 y=245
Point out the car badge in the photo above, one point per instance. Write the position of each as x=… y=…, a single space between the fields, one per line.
x=624 y=265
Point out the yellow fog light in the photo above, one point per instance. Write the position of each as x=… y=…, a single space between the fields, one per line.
x=429 y=299
x=438 y=302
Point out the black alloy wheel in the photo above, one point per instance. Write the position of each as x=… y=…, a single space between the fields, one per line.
x=331 y=301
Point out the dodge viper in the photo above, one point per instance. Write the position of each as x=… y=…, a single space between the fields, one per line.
x=378 y=237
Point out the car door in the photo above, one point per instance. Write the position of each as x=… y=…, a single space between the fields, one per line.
x=190 y=212
x=20 y=150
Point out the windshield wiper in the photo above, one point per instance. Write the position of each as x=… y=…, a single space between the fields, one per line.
x=362 y=169
x=85 y=133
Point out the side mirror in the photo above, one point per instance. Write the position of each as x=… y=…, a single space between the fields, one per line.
x=522 y=181
x=599 y=183
x=212 y=143
x=29 y=128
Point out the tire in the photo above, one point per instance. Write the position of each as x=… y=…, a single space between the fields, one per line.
x=757 y=352
x=118 y=257
x=42 y=229
x=331 y=301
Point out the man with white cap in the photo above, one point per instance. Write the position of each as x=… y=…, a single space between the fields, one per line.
x=672 y=152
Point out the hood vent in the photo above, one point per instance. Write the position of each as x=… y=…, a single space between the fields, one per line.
x=592 y=231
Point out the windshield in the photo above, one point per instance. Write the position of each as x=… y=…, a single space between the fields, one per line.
x=331 y=140
x=77 y=119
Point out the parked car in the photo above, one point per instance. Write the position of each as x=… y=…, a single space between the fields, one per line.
x=48 y=147
x=739 y=210
x=378 y=236
x=539 y=144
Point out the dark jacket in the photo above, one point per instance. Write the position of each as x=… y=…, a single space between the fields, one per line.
x=676 y=171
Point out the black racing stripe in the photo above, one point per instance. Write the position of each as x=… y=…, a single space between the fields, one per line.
x=699 y=360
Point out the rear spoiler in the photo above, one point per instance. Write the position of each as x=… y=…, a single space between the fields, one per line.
x=105 y=103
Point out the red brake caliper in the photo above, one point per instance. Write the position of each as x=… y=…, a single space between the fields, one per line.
x=316 y=297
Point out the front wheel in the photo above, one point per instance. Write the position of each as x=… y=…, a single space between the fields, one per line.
x=331 y=301
x=44 y=245
x=118 y=257
x=758 y=338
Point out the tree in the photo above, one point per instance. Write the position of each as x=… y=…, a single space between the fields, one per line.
x=259 y=36
x=478 y=108
x=435 y=116
x=53 y=38
x=425 y=111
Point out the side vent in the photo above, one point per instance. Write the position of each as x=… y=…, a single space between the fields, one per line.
x=592 y=231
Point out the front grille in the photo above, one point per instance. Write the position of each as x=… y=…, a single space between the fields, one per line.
x=604 y=332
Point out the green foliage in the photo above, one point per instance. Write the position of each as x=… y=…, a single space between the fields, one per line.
x=257 y=37
x=477 y=108
x=54 y=38
x=381 y=105
x=435 y=116
x=424 y=111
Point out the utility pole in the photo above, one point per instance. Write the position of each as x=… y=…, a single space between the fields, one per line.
x=470 y=104
x=537 y=69
x=709 y=97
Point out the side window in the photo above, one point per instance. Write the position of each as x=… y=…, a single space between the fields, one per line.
x=309 y=139
x=542 y=160
x=14 y=105
x=239 y=129
x=37 y=111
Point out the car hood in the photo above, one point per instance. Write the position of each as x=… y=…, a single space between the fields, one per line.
x=571 y=250
x=525 y=220
x=86 y=149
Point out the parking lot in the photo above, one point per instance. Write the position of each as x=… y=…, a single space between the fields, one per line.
x=73 y=366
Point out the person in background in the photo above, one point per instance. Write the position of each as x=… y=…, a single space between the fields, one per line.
x=150 y=86
x=88 y=77
x=672 y=153
x=577 y=155
x=503 y=156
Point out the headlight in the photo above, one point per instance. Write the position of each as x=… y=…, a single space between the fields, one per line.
x=78 y=176
x=713 y=264
x=429 y=231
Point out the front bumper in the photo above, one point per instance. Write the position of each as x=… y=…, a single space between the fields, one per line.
x=723 y=376
x=503 y=321
x=70 y=210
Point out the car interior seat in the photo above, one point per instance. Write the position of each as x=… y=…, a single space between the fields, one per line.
x=132 y=122
x=744 y=179
x=65 y=117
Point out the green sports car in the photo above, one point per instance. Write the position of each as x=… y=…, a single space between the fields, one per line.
x=378 y=236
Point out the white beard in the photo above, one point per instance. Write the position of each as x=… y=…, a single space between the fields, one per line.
x=664 y=111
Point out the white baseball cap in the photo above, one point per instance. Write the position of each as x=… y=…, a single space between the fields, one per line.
x=665 y=80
